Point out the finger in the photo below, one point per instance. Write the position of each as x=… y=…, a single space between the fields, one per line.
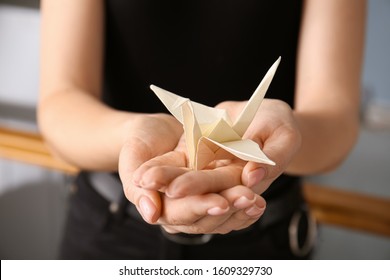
x=154 y=173
x=281 y=146
x=187 y=210
x=238 y=221
x=249 y=205
x=170 y=229
x=240 y=198
x=205 y=181
x=205 y=225
x=232 y=220
x=159 y=177
x=141 y=147
x=244 y=198
x=256 y=177
x=147 y=202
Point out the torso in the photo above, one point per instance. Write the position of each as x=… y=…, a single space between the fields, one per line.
x=206 y=50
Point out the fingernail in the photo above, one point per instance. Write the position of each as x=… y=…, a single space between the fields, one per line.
x=216 y=211
x=255 y=176
x=255 y=211
x=243 y=202
x=148 y=185
x=147 y=209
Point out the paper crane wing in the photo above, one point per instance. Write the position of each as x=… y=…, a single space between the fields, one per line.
x=248 y=113
x=245 y=149
x=209 y=132
x=203 y=113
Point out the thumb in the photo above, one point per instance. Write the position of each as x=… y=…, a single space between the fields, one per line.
x=148 y=202
x=254 y=175
x=281 y=150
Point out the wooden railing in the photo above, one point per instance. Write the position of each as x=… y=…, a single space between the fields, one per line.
x=353 y=210
x=328 y=205
x=29 y=147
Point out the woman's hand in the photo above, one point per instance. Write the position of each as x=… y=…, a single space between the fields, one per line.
x=273 y=128
x=277 y=132
x=233 y=209
x=188 y=194
x=148 y=136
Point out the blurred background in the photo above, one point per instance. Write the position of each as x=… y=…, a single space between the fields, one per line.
x=33 y=198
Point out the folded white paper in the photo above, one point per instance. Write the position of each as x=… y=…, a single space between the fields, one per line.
x=209 y=132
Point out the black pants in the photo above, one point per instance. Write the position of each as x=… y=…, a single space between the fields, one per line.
x=92 y=231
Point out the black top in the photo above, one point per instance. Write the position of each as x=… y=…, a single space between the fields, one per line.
x=206 y=50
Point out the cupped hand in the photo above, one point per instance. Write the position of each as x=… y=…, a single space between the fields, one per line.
x=273 y=128
x=212 y=201
x=192 y=214
x=204 y=214
x=149 y=135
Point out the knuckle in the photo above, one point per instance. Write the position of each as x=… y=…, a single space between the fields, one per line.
x=274 y=171
x=196 y=229
x=173 y=221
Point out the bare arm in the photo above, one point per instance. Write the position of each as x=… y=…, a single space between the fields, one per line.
x=79 y=127
x=313 y=138
x=73 y=121
x=72 y=118
x=328 y=83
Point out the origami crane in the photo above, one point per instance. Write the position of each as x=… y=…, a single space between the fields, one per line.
x=209 y=132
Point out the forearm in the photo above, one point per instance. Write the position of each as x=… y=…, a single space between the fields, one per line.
x=327 y=139
x=327 y=99
x=76 y=126
x=82 y=130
